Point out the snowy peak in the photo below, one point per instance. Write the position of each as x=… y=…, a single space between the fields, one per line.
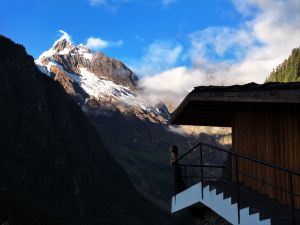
x=83 y=49
x=63 y=42
x=73 y=57
x=96 y=81
x=61 y=46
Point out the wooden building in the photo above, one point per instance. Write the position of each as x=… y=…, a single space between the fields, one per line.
x=265 y=122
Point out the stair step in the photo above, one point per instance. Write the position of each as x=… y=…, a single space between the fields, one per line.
x=257 y=203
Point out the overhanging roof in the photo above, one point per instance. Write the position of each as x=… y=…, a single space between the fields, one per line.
x=214 y=105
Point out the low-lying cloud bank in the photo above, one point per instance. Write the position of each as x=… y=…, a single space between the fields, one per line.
x=255 y=48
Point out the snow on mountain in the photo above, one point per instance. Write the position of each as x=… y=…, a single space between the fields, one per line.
x=94 y=77
x=66 y=39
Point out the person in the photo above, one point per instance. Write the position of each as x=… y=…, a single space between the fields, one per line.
x=179 y=183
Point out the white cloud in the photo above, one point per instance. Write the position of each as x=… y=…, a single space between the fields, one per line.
x=98 y=43
x=171 y=85
x=159 y=56
x=220 y=40
x=65 y=34
x=225 y=56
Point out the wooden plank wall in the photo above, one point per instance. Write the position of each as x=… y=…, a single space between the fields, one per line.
x=271 y=135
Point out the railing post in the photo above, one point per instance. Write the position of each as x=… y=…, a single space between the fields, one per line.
x=292 y=198
x=201 y=164
x=237 y=187
x=175 y=188
x=185 y=178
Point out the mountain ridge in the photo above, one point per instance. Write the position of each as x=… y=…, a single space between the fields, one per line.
x=95 y=79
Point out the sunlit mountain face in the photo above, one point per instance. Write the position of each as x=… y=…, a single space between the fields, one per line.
x=97 y=81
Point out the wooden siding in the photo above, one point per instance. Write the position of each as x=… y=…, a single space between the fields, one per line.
x=272 y=135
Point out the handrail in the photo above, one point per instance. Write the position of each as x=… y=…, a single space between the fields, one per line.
x=208 y=166
x=237 y=155
x=243 y=174
x=182 y=156
x=253 y=159
x=242 y=156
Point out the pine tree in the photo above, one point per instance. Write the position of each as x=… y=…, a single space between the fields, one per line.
x=288 y=71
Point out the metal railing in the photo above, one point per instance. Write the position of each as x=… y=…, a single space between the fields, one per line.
x=192 y=155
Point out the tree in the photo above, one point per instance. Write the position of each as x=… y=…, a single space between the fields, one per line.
x=289 y=70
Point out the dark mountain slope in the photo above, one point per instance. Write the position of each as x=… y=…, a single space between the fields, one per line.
x=143 y=149
x=53 y=167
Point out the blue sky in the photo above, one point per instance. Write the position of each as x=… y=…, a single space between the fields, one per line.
x=136 y=23
x=173 y=45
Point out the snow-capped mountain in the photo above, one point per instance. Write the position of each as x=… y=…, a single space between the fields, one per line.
x=97 y=82
x=134 y=131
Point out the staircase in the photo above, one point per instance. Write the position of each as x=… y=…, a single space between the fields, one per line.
x=233 y=201
x=257 y=203
x=223 y=206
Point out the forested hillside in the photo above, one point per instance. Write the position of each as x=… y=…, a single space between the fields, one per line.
x=289 y=70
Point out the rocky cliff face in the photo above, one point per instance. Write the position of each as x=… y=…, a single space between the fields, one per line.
x=72 y=58
x=96 y=81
